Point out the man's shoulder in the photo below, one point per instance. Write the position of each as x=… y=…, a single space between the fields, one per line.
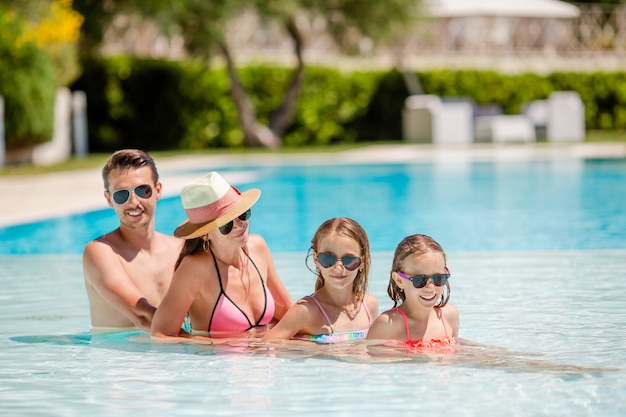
x=169 y=239
x=107 y=240
x=101 y=251
x=162 y=235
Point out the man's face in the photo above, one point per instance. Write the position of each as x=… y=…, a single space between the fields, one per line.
x=138 y=191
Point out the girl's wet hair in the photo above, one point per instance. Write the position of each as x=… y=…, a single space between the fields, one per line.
x=346 y=227
x=126 y=159
x=414 y=245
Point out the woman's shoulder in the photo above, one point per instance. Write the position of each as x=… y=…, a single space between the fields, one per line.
x=256 y=239
x=194 y=260
x=257 y=243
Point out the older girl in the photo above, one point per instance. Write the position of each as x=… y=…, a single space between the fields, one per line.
x=340 y=309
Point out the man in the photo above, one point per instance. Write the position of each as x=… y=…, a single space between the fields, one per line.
x=128 y=271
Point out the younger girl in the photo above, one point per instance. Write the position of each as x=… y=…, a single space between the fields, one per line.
x=339 y=310
x=424 y=318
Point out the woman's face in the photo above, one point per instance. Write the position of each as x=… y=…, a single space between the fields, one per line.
x=236 y=234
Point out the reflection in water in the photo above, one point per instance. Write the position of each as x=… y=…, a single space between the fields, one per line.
x=465 y=353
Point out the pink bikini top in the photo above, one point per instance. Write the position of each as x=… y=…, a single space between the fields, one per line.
x=228 y=317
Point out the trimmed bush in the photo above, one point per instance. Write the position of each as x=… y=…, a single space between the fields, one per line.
x=157 y=105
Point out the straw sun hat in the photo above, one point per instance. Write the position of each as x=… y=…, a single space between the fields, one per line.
x=211 y=202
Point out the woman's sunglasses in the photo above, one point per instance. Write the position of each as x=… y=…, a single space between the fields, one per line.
x=420 y=281
x=327 y=260
x=121 y=196
x=228 y=227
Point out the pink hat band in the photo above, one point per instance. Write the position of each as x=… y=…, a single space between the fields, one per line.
x=214 y=210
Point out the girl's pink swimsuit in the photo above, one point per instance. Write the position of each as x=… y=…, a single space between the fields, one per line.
x=435 y=344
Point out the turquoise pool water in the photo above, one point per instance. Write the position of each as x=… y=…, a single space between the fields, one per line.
x=538 y=255
x=470 y=206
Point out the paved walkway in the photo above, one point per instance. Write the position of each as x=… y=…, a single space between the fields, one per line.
x=32 y=198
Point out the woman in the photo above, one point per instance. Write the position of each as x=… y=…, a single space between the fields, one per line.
x=225 y=279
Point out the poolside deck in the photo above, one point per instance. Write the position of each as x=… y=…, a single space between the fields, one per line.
x=32 y=198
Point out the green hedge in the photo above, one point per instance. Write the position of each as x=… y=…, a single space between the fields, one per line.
x=158 y=105
x=604 y=95
x=136 y=103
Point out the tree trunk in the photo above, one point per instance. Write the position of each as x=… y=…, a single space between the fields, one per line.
x=282 y=117
x=256 y=134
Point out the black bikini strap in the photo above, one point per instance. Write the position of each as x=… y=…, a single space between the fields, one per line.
x=217 y=269
x=262 y=284
x=219 y=278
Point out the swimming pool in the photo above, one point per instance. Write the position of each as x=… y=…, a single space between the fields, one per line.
x=537 y=249
x=507 y=205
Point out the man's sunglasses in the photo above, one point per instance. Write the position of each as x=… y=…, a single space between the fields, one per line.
x=420 y=281
x=228 y=227
x=327 y=260
x=122 y=195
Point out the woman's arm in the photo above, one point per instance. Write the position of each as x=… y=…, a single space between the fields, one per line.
x=185 y=285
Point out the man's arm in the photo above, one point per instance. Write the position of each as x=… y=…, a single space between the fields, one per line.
x=103 y=271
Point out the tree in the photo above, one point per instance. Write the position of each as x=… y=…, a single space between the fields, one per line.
x=202 y=24
x=37 y=55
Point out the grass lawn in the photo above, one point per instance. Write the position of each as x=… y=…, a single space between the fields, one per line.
x=606 y=136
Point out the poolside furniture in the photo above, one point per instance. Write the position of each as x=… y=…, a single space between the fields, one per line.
x=427 y=118
x=566 y=117
x=537 y=112
x=559 y=118
x=504 y=128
